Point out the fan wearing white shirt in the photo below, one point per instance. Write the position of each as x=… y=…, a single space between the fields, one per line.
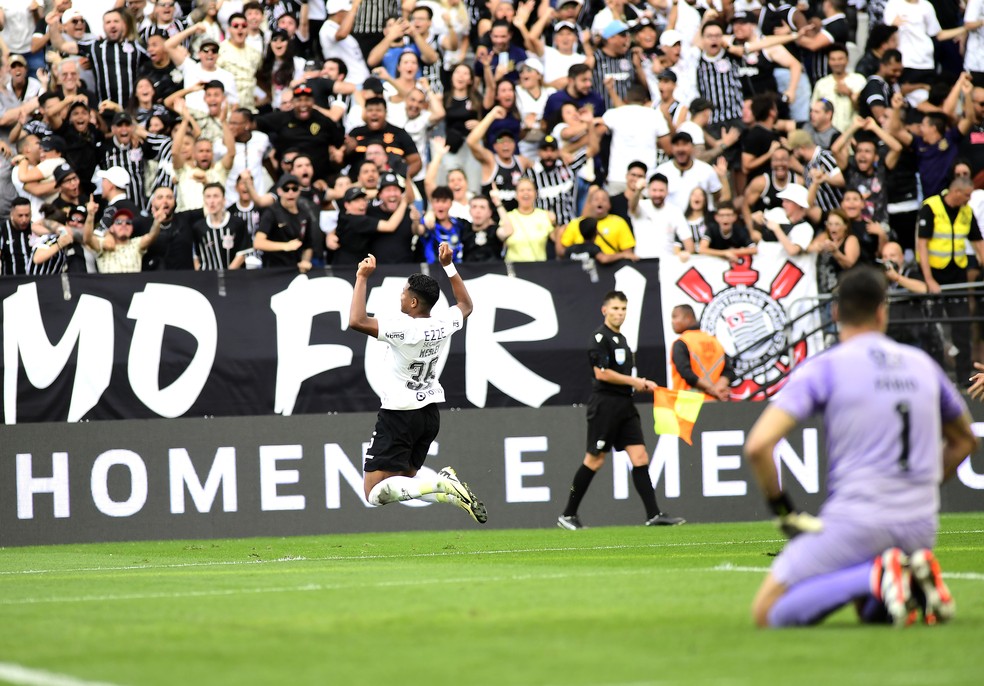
x=408 y=420
x=685 y=173
x=337 y=40
x=637 y=129
x=660 y=228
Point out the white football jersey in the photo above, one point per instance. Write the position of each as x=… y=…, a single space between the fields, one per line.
x=414 y=356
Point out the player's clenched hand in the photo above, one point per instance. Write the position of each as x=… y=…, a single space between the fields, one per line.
x=444 y=254
x=367 y=266
x=976 y=389
x=795 y=523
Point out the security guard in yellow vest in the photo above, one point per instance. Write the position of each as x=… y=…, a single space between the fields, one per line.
x=946 y=224
x=697 y=359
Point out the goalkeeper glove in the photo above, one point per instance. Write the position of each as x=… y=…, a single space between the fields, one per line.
x=790 y=522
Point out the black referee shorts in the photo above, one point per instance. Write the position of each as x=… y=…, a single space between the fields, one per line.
x=613 y=422
x=401 y=439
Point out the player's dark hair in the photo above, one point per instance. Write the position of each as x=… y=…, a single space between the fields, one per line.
x=860 y=292
x=615 y=295
x=442 y=193
x=424 y=288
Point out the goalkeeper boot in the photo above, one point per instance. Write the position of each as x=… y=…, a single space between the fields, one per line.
x=464 y=498
x=928 y=589
x=892 y=584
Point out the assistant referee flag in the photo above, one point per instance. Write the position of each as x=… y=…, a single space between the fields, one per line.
x=675 y=412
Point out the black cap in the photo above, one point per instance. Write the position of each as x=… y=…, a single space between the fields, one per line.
x=504 y=133
x=373 y=84
x=288 y=178
x=53 y=143
x=390 y=180
x=743 y=17
x=549 y=142
x=354 y=193
x=668 y=75
x=279 y=33
x=78 y=209
x=303 y=89
x=62 y=172
x=122 y=118
x=682 y=137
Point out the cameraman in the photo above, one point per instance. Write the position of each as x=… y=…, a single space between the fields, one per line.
x=907 y=277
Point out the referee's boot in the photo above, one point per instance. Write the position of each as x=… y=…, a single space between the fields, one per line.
x=665 y=520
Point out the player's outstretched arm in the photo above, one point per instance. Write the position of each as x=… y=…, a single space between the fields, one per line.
x=464 y=301
x=358 y=319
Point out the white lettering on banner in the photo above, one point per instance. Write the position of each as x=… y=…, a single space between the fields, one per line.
x=25 y=338
x=965 y=472
x=712 y=463
x=807 y=470
x=271 y=477
x=666 y=463
x=338 y=465
x=157 y=307
x=221 y=474
x=633 y=284
x=488 y=362
x=516 y=469
x=28 y=485
x=298 y=360
x=99 y=483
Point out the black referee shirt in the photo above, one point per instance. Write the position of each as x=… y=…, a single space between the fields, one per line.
x=610 y=350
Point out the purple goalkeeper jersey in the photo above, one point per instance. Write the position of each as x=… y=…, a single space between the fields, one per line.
x=883 y=404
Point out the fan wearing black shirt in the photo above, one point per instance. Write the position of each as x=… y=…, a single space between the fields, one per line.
x=726 y=237
x=286 y=228
x=392 y=247
x=395 y=140
x=357 y=229
x=480 y=243
x=306 y=129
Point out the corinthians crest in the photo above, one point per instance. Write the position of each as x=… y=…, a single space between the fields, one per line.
x=751 y=323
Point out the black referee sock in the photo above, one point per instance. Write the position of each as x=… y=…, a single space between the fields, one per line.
x=582 y=479
x=640 y=477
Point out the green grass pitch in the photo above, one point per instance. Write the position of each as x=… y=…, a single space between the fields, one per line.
x=624 y=606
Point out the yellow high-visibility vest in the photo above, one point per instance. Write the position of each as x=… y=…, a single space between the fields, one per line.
x=949 y=241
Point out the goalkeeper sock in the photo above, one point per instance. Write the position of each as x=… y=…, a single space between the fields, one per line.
x=582 y=479
x=811 y=600
x=644 y=486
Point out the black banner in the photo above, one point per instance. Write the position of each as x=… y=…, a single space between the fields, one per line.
x=203 y=344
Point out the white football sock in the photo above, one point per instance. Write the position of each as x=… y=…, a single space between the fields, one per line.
x=399 y=488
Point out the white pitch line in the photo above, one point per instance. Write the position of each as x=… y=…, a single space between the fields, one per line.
x=401 y=583
x=25 y=676
x=442 y=553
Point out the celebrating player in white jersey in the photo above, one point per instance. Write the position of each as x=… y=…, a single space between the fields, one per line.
x=408 y=419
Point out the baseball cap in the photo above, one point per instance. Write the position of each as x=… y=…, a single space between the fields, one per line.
x=78 y=210
x=668 y=75
x=504 y=133
x=533 y=63
x=70 y=14
x=122 y=118
x=53 y=143
x=279 y=33
x=682 y=137
x=614 y=28
x=208 y=40
x=118 y=176
x=564 y=25
x=303 y=89
x=333 y=6
x=121 y=213
x=373 y=84
x=288 y=178
x=62 y=172
x=561 y=3
x=548 y=142
x=670 y=37
x=18 y=59
x=743 y=18
x=389 y=180
x=795 y=193
x=354 y=193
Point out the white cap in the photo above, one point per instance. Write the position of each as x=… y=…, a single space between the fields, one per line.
x=70 y=14
x=118 y=176
x=670 y=37
x=533 y=63
x=334 y=6
x=795 y=193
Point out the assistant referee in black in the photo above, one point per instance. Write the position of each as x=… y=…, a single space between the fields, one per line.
x=613 y=421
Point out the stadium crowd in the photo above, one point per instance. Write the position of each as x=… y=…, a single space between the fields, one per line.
x=222 y=134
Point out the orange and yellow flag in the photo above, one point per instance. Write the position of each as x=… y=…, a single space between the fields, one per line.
x=675 y=412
